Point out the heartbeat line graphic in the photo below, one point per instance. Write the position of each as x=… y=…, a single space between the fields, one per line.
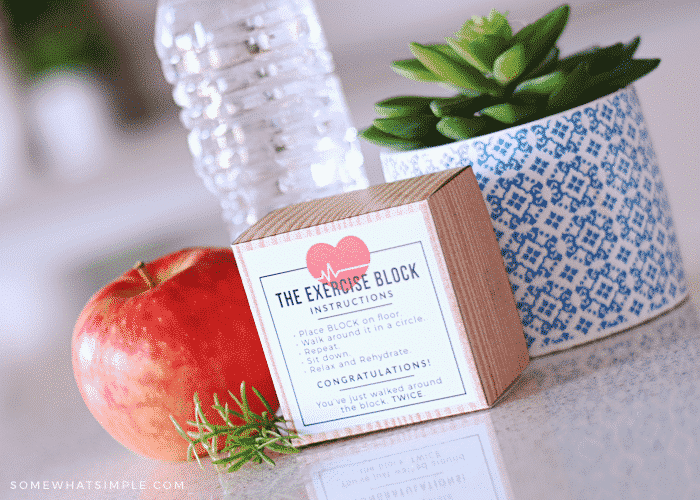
x=331 y=272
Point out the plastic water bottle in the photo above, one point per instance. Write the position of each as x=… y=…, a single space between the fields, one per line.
x=268 y=122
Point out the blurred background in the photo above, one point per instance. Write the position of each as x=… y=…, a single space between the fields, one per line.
x=95 y=173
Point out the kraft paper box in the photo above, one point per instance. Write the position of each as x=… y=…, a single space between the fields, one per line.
x=383 y=307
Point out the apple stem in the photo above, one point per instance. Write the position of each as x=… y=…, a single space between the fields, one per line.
x=141 y=268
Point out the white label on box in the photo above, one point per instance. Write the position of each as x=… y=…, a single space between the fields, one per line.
x=451 y=465
x=359 y=325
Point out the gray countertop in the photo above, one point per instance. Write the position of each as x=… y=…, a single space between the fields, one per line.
x=613 y=419
x=619 y=418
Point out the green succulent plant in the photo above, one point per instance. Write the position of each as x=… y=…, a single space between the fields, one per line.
x=502 y=79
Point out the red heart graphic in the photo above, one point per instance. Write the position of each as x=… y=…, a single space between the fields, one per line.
x=339 y=264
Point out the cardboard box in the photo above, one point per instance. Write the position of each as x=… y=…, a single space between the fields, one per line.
x=383 y=307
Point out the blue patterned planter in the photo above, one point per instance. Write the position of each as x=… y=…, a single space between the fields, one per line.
x=581 y=216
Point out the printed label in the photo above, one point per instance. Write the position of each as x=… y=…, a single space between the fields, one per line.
x=359 y=325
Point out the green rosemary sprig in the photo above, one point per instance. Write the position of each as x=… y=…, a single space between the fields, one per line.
x=244 y=443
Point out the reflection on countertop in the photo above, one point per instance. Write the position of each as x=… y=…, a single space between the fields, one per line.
x=618 y=418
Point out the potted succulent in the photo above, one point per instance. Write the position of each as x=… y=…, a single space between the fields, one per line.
x=565 y=165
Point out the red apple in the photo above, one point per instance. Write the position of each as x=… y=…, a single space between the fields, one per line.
x=144 y=344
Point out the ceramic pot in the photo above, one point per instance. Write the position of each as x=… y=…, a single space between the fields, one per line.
x=581 y=215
